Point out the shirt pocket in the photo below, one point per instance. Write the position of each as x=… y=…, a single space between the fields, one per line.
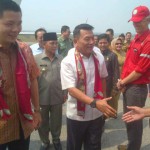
x=43 y=69
x=136 y=54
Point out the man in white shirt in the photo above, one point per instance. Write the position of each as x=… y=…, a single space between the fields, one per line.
x=37 y=48
x=83 y=74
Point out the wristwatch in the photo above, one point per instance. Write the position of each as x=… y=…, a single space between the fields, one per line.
x=93 y=104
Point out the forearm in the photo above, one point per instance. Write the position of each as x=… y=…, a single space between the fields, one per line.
x=131 y=77
x=35 y=94
x=74 y=92
x=147 y=112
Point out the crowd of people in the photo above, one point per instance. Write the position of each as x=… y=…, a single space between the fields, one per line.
x=88 y=72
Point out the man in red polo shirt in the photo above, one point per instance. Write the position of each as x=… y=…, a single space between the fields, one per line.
x=136 y=74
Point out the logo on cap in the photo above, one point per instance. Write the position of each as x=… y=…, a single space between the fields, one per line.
x=135 y=12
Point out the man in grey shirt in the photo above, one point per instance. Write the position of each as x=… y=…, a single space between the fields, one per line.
x=50 y=92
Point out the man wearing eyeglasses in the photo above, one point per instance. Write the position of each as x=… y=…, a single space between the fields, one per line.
x=136 y=74
x=50 y=92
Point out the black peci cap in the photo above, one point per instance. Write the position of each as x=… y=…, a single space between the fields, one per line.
x=51 y=36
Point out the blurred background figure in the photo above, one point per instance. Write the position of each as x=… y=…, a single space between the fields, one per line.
x=127 y=41
x=117 y=45
x=38 y=48
x=96 y=40
x=112 y=69
x=110 y=33
x=65 y=43
x=122 y=37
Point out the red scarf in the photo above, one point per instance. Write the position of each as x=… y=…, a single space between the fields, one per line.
x=23 y=91
x=81 y=81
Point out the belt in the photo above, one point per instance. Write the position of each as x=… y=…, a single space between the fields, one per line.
x=136 y=85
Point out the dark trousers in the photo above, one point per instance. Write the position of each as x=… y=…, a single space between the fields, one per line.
x=135 y=95
x=21 y=144
x=87 y=133
x=51 y=122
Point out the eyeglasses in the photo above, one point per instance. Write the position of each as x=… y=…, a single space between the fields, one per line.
x=118 y=44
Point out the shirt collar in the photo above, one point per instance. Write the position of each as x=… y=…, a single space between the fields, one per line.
x=104 y=52
x=93 y=53
x=45 y=56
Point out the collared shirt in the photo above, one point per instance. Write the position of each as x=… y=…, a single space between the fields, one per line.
x=10 y=130
x=138 y=58
x=69 y=79
x=50 y=90
x=36 y=49
x=64 y=45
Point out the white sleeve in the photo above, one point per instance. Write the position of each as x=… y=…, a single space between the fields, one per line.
x=68 y=77
x=103 y=69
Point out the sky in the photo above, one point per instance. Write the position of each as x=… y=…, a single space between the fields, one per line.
x=101 y=14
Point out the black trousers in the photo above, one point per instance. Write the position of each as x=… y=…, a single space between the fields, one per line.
x=21 y=144
x=135 y=95
x=87 y=133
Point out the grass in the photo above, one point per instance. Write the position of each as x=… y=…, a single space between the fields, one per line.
x=27 y=37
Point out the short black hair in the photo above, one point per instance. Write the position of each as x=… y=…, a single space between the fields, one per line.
x=128 y=33
x=64 y=28
x=110 y=30
x=104 y=36
x=122 y=35
x=8 y=5
x=76 y=31
x=39 y=30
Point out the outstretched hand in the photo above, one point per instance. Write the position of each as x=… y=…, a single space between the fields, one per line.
x=135 y=114
x=107 y=110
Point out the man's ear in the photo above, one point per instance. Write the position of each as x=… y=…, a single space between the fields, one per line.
x=75 y=40
x=44 y=43
x=148 y=19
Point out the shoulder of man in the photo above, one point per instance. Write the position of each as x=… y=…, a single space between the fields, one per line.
x=99 y=55
x=25 y=48
x=60 y=39
x=33 y=45
x=147 y=39
x=112 y=54
x=70 y=56
x=70 y=40
x=60 y=57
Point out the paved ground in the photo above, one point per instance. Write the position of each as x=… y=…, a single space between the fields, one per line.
x=114 y=134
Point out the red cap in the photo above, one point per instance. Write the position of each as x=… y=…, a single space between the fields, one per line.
x=139 y=13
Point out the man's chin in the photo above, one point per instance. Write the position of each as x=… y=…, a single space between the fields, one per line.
x=90 y=49
x=12 y=40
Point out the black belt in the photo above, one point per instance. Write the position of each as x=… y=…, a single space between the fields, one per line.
x=136 y=85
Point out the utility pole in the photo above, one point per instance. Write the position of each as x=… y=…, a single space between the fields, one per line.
x=86 y=20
